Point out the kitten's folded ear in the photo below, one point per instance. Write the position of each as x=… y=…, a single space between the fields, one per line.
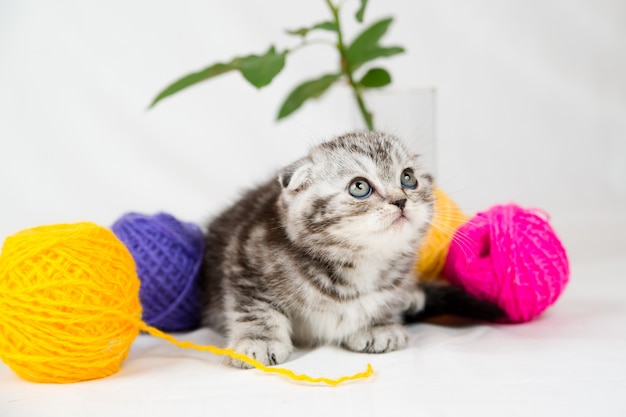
x=295 y=176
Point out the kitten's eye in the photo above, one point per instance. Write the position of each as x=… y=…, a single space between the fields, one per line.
x=360 y=188
x=408 y=179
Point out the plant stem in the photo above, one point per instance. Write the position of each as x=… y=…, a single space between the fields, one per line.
x=347 y=70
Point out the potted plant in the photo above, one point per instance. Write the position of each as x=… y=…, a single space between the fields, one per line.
x=354 y=69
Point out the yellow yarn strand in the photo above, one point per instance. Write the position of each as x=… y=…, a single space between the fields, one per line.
x=254 y=363
x=70 y=310
x=432 y=254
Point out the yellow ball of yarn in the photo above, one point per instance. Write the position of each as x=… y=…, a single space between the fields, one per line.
x=69 y=303
x=431 y=256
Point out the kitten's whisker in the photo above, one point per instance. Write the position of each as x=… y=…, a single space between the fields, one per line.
x=460 y=238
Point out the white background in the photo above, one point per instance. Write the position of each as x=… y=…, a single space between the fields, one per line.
x=530 y=107
x=531 y=104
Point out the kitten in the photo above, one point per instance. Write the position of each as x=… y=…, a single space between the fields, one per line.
x=322 y=254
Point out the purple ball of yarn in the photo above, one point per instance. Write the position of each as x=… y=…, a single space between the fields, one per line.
x=168 y=254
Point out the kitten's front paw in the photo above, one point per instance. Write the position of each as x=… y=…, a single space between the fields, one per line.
x=379 y=339
x=268 y=352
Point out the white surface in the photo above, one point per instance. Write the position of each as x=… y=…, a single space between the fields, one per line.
x=570 y=362
x=531 y=107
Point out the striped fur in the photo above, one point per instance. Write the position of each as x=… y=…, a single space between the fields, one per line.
x=300 y=261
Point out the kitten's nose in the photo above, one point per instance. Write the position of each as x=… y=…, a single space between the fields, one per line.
x=400 y=203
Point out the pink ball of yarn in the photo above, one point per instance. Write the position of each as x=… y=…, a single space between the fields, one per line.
x=511 y=257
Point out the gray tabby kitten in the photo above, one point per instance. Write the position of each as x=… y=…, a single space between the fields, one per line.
x=323 y=254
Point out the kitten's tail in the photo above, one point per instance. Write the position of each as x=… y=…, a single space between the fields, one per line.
x=446 y=299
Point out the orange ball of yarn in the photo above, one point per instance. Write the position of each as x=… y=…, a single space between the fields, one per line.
x=432 y=254
x=69 y=303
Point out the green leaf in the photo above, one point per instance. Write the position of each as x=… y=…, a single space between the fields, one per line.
x=329 y=26
x=260 y=70
x=196 y=77
x=305 y=91
x=361 y=12
x=366 y=48
x=372 y=34
x=376 y=78
x=298 y=32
